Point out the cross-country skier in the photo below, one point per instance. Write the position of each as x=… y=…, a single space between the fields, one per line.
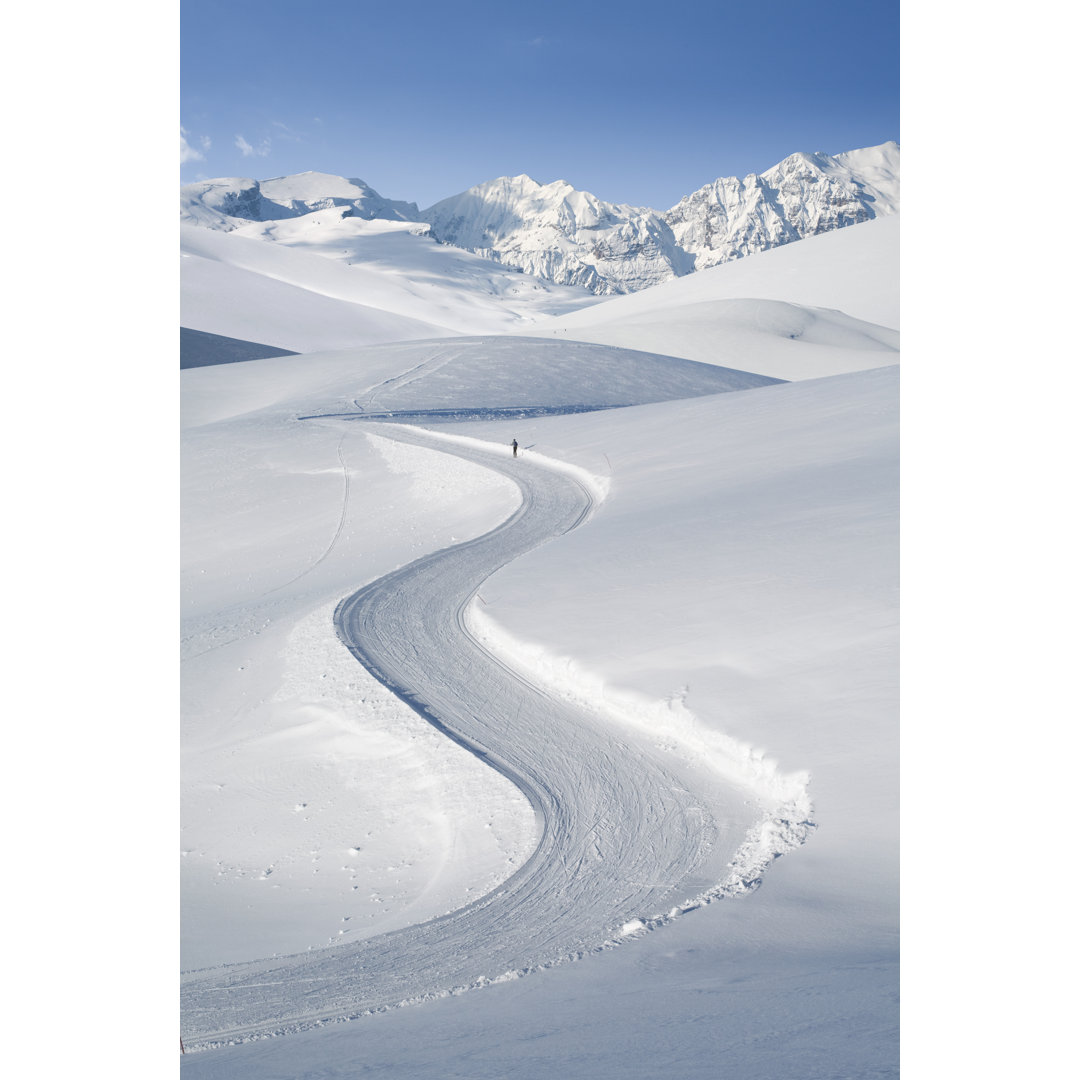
x=514 y=445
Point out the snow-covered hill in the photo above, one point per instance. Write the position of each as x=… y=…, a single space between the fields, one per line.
x=330 y=280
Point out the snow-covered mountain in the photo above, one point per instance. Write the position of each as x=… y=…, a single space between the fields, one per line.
x=570 y=237
x=559 y=233
x=228 y=202
x=804 y=195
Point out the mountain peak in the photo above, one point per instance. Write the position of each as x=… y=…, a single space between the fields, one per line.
x=227 y=203
x=560 y=233
x=568 y=236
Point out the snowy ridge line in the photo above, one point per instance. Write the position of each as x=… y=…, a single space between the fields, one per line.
x=626 y=843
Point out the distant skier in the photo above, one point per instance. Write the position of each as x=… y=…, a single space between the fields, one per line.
x=514 y=445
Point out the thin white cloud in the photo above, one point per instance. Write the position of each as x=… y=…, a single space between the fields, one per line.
x=286 y=132
x=248 y=150
x=188 y=152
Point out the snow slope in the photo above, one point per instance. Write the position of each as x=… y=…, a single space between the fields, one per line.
x=309 y=513
x=790 y=521
x=733 y=594
x=822 y=306
x=383 y=283
x=625 y=829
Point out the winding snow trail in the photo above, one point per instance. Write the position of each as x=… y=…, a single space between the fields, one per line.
x=624 y=836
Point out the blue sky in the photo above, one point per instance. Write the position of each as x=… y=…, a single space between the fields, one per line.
x=637 y=103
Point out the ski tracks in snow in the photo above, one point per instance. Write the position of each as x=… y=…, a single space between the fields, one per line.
x=625 y=842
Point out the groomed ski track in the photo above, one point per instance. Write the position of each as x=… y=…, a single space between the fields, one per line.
x=623 y=834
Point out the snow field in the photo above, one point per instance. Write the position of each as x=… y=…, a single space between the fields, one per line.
x=744 y=568
x=293 y=755
x=668 y=723
x=736 y=589
x=626 y=827
x=786 y=810
x=824 y=305
x=798 y=512
x=382 y=284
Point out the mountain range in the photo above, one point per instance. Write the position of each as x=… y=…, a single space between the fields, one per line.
x=570 y=237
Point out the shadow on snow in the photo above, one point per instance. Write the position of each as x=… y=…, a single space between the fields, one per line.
x=459 y=415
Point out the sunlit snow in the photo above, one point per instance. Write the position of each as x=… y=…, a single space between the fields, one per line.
x=726 y=613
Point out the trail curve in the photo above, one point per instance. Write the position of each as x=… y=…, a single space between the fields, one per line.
x=623 y=836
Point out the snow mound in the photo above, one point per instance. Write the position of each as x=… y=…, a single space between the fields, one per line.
x=787 y=341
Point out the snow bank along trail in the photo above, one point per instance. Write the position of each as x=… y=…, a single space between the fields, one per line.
x=624 y=836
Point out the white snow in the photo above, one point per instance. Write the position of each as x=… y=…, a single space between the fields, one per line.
x=382 y=282
x=573 y=237
x=364 y=813
x=730 y=606
x=823 y=306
